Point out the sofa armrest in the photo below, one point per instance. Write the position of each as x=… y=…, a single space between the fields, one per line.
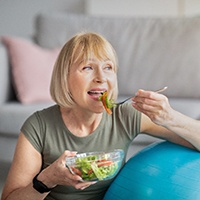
x=6 y=91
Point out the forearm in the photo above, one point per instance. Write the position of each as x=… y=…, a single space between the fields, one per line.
x=185 y=127
x=158 y=109
x=27 y=193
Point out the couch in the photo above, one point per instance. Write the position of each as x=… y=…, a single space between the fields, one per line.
x=152 y=53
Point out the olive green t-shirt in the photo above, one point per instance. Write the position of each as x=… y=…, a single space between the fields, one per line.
x=49 y=135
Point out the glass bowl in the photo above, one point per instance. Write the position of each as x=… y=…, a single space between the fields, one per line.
x=96 y=166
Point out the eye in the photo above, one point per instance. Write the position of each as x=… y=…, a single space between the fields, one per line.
x=86 y=68
x=108 y=67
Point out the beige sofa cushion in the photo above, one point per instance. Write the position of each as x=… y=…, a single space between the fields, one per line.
x=152 y=52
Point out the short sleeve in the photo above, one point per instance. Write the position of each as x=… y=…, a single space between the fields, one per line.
x=32 y=131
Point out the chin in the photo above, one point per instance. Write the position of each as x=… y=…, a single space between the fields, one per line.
x=99 y=111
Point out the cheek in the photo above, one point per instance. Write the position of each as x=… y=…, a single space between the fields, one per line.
x=113 y=81
x=114 y=86
x=73 y=84
x=75 y=89
x=77 y=84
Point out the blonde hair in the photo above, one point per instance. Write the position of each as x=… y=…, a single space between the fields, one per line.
x=81 y=46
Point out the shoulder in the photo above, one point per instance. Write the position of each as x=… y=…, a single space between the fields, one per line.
x=48 y=111
x=46 y=114
x=41 y=116
x=38 y=124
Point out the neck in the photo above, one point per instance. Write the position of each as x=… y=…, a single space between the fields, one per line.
x=80 y=123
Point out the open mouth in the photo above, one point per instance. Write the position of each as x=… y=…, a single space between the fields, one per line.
x=95 y=93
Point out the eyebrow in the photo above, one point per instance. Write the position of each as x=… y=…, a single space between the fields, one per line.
x=91 y=59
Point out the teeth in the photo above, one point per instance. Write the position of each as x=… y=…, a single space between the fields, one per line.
x=95 y=92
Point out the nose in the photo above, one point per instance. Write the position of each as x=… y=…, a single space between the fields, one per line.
x=100 y=77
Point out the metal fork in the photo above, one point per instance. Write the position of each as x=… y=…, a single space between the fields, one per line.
x=69 y=168
x=157 y=91
x=72 y=172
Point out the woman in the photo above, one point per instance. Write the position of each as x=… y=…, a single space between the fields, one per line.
x=86 y=67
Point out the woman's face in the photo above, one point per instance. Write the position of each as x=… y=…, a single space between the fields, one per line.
x=87 y=80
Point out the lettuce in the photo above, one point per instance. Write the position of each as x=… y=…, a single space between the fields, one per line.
x=92 y=169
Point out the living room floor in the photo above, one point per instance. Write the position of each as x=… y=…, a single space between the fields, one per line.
x=137 y=145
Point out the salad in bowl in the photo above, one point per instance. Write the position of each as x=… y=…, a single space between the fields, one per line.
x=96 y=166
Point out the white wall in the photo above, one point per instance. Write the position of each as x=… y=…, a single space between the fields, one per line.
x=17 y=16
x=147 y=8
x=192 y=7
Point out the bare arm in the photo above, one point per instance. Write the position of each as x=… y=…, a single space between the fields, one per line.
x=161 y=120
x=26 y=164
x=23 y=169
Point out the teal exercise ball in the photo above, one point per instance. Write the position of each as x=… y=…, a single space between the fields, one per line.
x=162 y=171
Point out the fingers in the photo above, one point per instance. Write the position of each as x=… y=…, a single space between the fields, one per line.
x=145 y=104
x=148 y=95
x=147 y=100
x=78 y=183
x=74 y=179
x=152 y=104
x=60 y=174
x=84 y=185
x=68 y=153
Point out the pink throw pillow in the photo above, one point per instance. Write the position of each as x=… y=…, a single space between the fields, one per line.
x=31 y=69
